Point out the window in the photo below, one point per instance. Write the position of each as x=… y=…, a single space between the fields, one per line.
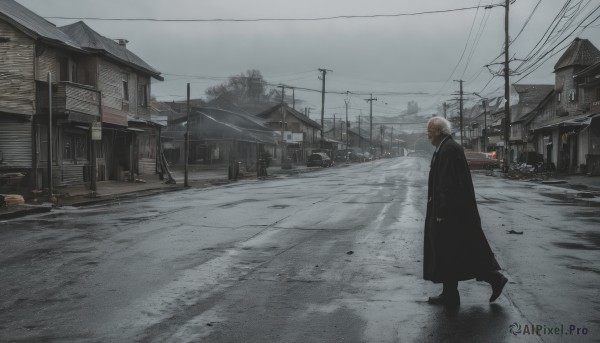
x=67 y=69
x=572 y=95
x=125 y=82
x=143 y=95
x=73 y=68
x=558 y=96
x=63 y=68
x=74 y=147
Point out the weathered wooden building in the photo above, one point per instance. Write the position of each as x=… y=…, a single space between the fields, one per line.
x=588 y=81
x=219 y=138
x=123 y=80
x=30 y=47
x=302 y=135
x=95 y=81
x=560 y=125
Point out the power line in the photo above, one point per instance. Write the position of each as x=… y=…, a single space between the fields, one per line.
x=275 y=19
x=526 y=21
x=475 y=40
x=538 y=62
x=558 y=15
x=465 y=48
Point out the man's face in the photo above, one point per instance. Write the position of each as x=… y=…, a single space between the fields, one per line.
x=434 y=134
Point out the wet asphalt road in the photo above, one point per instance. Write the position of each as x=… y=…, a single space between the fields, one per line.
x=330 y=256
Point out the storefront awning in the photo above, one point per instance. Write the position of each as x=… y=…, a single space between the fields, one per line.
x=582 y=120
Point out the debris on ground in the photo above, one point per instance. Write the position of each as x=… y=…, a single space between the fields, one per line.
x=513 y=232
x=11 y=199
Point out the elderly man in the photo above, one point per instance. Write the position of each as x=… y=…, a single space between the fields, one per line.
x=455 y=246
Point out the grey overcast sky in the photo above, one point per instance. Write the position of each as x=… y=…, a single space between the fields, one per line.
x=386 y=56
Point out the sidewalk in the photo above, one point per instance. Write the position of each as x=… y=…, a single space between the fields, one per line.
x=80 y=195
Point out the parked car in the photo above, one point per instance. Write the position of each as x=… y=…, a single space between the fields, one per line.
x=357 y=156
x=342 y=156
x=480 y=160
x=319 y=159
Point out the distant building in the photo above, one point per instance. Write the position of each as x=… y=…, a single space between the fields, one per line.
x=412 y=107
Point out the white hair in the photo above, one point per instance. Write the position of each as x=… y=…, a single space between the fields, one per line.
x=441 y=123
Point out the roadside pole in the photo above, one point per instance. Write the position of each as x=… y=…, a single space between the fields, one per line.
x=484 y=125
x=506 y=89
x=187 y=140
x=347 y=147
x=283 y=141
x=50 y=139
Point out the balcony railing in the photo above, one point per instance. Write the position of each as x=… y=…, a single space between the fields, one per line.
x=68 y=97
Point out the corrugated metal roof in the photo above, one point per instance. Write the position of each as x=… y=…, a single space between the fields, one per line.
x=34 y=25
x=581 y=52
x=229 y=125
x=89 y=39
x=292 y=112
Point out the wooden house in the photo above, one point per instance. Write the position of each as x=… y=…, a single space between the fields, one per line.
x=95 y=82
x=301 y=135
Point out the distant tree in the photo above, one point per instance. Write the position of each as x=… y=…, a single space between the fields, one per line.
x=247 y=87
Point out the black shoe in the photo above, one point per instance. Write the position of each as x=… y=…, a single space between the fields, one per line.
x=451 y=299
x=497 y=288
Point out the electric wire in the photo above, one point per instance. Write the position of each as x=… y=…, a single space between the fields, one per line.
x=273 y=19
x=475 y=41
x=538 y=62
x=461 y=55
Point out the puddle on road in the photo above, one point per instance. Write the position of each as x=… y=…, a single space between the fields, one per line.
x=239 y=202
x=488 y=202
x=585 y=269
x=279 y=207
x=571 y=199
x=575 y=246
x=591 y=236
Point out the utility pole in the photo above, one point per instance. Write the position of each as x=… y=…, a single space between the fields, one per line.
x=293 y=98
x=381 y=135
x=334 y=126
x=391 y=138
x=370 y=100
x=324 y=73
x=346 y=101
x=461 y=110
x=484 y=125
x=506 y=88
x=50 y=139
x=283 y=145
x=187 y=139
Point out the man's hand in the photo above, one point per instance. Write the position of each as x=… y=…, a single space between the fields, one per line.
x=438 y=219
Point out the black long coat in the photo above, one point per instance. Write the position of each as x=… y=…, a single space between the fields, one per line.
x=456 y=247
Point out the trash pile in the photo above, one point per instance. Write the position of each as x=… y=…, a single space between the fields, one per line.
x=11 y=199
x=539 y=171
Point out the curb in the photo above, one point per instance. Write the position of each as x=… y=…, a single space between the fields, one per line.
x=12 y=213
